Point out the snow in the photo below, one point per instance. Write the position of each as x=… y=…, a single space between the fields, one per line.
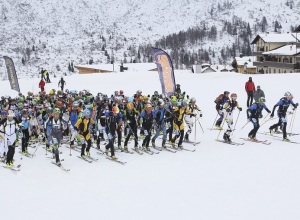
x=218 y=181
x=288 y=50
x=279 y=38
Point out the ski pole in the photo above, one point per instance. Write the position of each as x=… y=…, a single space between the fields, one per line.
x=292 y=121
x=195 y=130
x=222 y=125
x=200 y=125
x=215 y=121
x=241 y=128
x=265 y=119
x=237 y=120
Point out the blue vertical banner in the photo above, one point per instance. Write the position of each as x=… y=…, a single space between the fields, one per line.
x=165 y=71
x=11 y=73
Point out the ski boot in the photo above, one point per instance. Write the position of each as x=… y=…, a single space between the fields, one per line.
x=114 y=157
x=106 y=152
x=180 y=146
x=286 y=139
x=153 y=143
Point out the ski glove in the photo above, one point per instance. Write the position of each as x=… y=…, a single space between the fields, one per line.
x=272 y=115
x=240 y=108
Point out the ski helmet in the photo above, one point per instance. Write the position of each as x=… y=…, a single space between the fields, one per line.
x=130 y=105
x=226 y=93
x=11 y=113
x=183 y=104
x=56 y=111
x=75 y=104
x=49 y=110
x=193 y=100
x=161 y=102
x=287 y=94
x=20 y=105
x=139 y=92
x=86 y=113
x=115 y=110
x=262 y=100
x=121 y=92
x=174 y=101
x=233 y=96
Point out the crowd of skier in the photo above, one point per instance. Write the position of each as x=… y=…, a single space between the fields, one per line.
x=84 y=120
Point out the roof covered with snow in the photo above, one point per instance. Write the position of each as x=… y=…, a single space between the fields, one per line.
x=247 y=59
x=276 y=38
x=288 y=50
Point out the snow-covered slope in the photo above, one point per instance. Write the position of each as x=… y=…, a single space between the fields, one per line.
x=218 y=181
x=62 y=31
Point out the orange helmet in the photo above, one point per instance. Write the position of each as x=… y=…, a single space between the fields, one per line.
x=130 y=105
x=115 y=110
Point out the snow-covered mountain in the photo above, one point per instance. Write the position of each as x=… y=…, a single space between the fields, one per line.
x=55 y=32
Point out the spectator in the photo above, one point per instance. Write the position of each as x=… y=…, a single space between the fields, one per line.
x=250 y=89
x=62 y=83
x=258 y=93
x=42 y=85
x=47 y=79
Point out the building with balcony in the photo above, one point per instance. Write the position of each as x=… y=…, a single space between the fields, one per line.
x=277 y=53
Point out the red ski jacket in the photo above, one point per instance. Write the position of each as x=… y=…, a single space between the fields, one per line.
x=249 y=86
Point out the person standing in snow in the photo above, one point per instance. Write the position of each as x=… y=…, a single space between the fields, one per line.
x=250 y=89
x=62 y=83
x=42 y=85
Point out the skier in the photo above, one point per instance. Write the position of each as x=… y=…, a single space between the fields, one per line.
x=189 y=118
x=170 y=117
x=220 y=101
x=250 y=89
x=24 y=127
x=253 y=114
x=10 y=129
x=229 y=106
x=56 y=126
x=130 y=115
x=160 y=123
x=147 y=116
x=113 y=120
x=83 y=127
x=283 y=106
x=62 y=83
x=179 y=113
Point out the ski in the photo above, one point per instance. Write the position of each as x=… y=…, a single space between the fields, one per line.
x=190 y=150
x=157 y=148
x=92 y=158
x=127 y=151
x=192 y=142
x=116 y=160
x=85 y=159
x=169 y=149
x=275 y=137
x=257 y=141
x=29 y=155
x=232 y=143
x=147 y=151
x=137 y=151
x=17 y=168
x=61 y=167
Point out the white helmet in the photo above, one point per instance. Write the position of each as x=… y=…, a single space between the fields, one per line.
x=193 y=100
x=11 y=113
x=286 y=94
